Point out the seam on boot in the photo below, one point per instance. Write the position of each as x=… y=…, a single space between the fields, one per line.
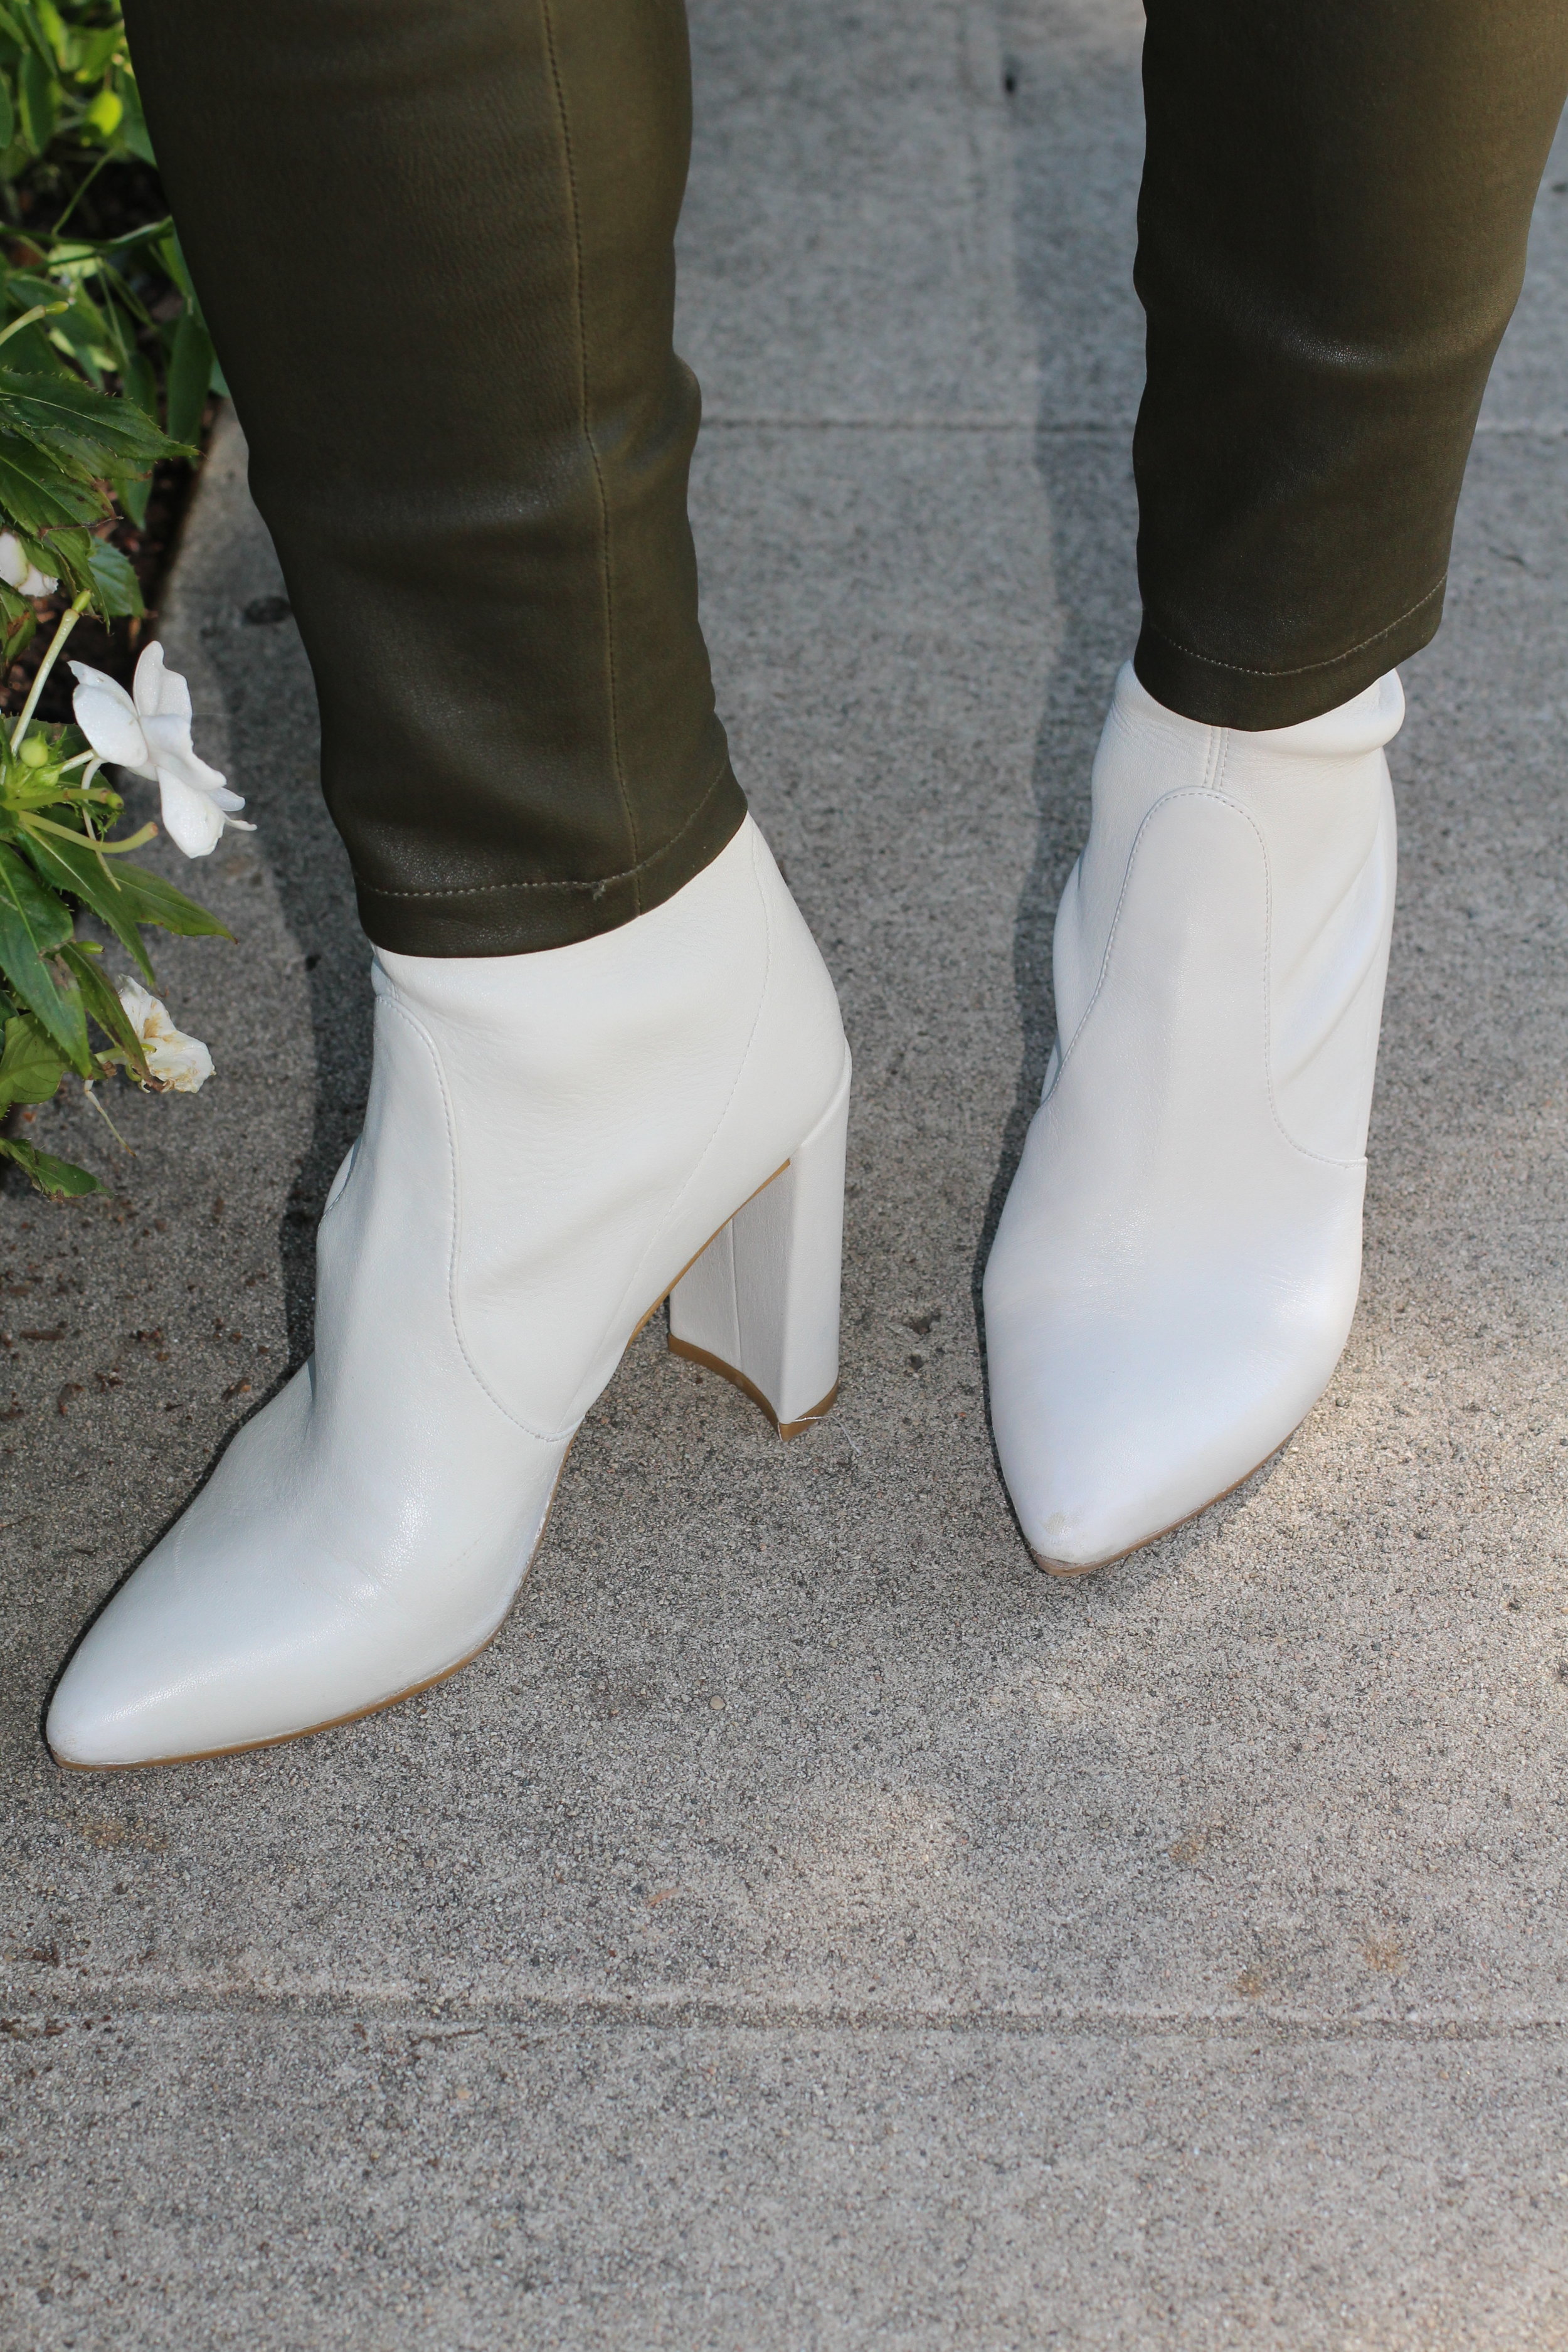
x=1323 y=1159
x=1182 y=793
x=1221 y=800
x=395 y=1004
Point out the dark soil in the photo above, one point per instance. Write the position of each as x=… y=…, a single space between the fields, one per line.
x=122 y=197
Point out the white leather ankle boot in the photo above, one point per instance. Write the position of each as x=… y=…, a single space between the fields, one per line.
x=1176 y=1267
x=550 y=1141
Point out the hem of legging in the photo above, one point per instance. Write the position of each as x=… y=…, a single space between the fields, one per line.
x=524 y=918
x=1227 y=694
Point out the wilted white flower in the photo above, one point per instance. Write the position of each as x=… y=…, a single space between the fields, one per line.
x=180 y=1063
x=149 y=731
x=19 y=574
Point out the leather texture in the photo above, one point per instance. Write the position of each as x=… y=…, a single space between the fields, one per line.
x=435 y=242
x=1331 y=240
x=1176 y=1267
x=549 y=1142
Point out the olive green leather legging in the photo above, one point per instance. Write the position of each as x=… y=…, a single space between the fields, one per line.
x=433 y=241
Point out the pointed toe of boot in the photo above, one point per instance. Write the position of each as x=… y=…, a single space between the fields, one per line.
x=131 y=1696
x=1117 y=1420
x=91 y=1720
x=280 y=1604
x=218 y=1641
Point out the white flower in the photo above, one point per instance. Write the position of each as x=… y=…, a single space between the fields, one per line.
x=180 y=1063
x=149 y=731
x=19 y=574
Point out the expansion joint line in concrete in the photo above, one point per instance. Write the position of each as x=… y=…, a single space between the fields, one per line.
x=22 y=2017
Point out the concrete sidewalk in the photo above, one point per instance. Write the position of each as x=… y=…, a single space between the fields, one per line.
x=808 y=1926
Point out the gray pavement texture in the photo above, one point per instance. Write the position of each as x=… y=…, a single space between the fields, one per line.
x=808 y=1927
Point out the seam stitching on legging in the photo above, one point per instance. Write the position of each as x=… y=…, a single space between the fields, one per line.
x=1241 y=670
x=591 y=446
x=480 y=889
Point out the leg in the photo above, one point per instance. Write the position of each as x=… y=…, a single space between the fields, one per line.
x=435 y=247
x=434 y=237
x=1332 y=240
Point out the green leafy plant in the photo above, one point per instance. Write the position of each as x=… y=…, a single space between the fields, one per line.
x=59 y=855
x=62 y=447
x=94 y=296
x=105 y=366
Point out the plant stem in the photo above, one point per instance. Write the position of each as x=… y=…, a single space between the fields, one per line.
x=32 y=823
x=38 y=311
x=67 y=622
x=87 y=1087
x=82 y=191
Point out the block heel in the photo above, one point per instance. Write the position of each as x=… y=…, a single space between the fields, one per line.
x=760 y=1304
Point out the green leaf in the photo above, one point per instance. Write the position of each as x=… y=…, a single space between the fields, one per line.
x=81 y=872
x=7 y=114
x=39 y=93
x=53 y=30
x=94 y=51
x=133 y=130
x=32 y=349
x=133 y=492
x=27 y=290
x=171 y=254
x=17 y=622
x=32 y=923
x=190 y=371
x=102 y=430
x=30 y=1066
x=153 y=900
x=44 y=922
x=105 y=1008
x=140 y=383
x=116 y=582
x=37 y=491
x=58 y=1178
x=19 y=636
